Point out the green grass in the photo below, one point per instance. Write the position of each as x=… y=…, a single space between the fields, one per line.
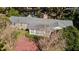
x=33 y=37
x=20 y=33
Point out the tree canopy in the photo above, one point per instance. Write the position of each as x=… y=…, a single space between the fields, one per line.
x=71 y=35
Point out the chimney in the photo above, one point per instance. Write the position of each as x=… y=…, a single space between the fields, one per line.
x=45 y=16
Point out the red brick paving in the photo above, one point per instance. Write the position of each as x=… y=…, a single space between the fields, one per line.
x=23 y=44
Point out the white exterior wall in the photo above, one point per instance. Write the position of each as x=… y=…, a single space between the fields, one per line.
x=32 y=32
x=35 y=32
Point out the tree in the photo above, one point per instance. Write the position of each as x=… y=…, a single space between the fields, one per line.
x=12 y=12
x=2 y=10
x=71 y=35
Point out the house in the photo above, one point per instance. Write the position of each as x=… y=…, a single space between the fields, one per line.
x=39 y=26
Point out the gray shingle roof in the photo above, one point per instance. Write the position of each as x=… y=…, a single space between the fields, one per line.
x=36 y=23
x=26 y=20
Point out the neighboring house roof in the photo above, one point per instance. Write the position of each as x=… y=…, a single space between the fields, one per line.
x=40 y=23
